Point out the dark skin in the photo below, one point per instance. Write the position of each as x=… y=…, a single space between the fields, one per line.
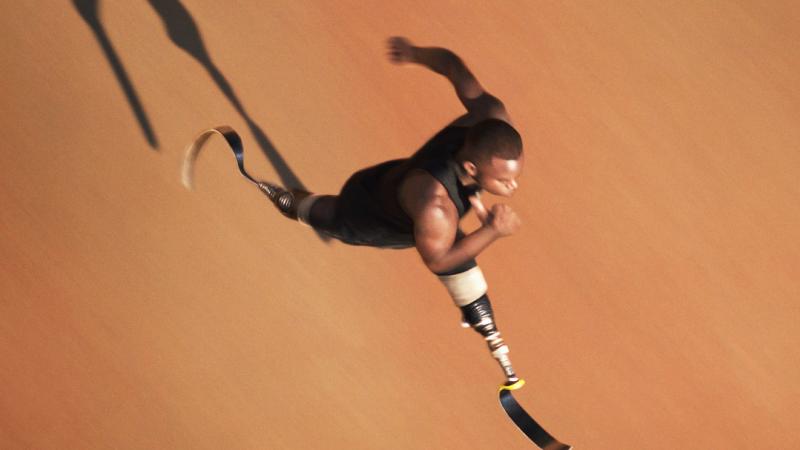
x=425 y=199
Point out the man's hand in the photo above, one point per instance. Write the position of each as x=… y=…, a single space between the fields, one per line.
x=400 y=50
x=501 y=218
x=504 y=220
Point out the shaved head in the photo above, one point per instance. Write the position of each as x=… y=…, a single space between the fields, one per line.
x=491 y=138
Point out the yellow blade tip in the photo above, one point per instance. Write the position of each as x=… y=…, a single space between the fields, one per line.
x=513 y=386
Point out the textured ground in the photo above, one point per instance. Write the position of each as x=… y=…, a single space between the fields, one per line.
x=650 y=301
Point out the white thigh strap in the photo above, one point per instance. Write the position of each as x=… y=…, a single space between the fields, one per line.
x=465 y=287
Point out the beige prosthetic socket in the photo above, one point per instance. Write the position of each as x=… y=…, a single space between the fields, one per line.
x=465 y=287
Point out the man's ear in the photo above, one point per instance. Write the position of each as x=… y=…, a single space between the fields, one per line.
x=470 y=168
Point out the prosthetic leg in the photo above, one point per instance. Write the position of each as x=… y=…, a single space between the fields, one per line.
x=468 y=290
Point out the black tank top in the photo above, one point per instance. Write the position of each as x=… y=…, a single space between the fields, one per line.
x=435 y=157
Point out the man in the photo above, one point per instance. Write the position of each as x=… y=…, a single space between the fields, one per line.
x=418 y=202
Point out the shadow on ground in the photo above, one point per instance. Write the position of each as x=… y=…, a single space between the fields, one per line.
x=184 y=33
x=89 y=11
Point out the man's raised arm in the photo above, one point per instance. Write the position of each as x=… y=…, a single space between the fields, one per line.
x=447 y=63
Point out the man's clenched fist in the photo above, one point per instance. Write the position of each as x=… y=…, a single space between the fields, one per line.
x=504 y=220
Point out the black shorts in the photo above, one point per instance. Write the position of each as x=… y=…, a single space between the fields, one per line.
x=359 y=217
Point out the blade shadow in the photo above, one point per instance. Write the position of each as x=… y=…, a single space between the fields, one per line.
x=89 y=11
x=183 y=32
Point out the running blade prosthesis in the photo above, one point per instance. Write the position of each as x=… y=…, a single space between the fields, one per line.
x=525 y=422
x=234 y=142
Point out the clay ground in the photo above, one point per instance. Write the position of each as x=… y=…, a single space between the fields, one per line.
x=651 y=300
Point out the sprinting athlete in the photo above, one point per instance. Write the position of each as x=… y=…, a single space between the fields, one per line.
x=419 y=201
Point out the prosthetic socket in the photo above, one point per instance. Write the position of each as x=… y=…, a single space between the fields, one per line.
x=468 y=290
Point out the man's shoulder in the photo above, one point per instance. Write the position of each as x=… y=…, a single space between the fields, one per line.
x=484 y=107
x=420 y=191
x=422 y=184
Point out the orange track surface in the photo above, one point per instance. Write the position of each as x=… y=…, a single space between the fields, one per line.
x=650 y=300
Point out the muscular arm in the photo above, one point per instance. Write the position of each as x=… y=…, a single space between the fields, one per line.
x=479 y=103
x=447 y=63
x=436 y=226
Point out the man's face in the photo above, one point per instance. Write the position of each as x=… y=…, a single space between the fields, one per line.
x=496 y=176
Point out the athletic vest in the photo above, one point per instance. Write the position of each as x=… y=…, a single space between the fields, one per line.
x=437 y=157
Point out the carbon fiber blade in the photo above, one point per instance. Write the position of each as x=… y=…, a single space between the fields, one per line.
x=193 y=150
x=527 y=425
